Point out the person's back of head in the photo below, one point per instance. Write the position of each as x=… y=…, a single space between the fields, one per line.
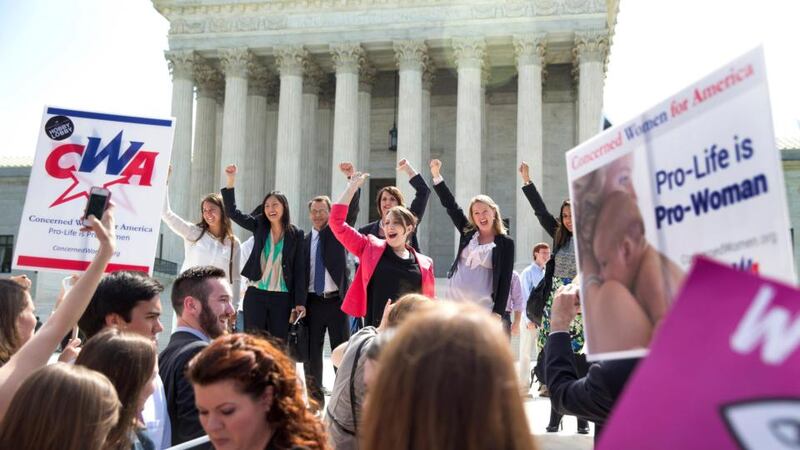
x=118 y=293
x=129 y=361
x=12 y=303
x=404 y=306
x=447 y=376
x=61 y=407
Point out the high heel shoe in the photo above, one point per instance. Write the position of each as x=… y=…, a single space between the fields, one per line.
x=583 y=430
x=555 y=428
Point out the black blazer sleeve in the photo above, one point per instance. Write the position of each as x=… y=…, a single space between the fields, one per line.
x=300 y=273
x=453 y=210
x=505 y=268
x=245 y=221
x=548 y=222
x=188 y=419
x=588 y=397
x=353 y=209
x=421 y=195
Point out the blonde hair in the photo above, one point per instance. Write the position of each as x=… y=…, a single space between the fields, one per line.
x=498 y=225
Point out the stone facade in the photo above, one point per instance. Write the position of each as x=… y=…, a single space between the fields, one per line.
x=500 y=82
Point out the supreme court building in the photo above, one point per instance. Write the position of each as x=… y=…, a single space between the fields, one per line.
x=286 y=89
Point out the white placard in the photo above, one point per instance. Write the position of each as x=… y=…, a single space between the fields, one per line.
x=76 y=150
x=697 y=174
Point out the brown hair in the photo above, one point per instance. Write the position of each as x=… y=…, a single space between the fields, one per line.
x=563 y=235
x=320 y=198
x=539 y=246
x=395 y=192
x=406 y=217
x=254 y=363
x=12 y=302
x=403 y=307
x=227 y=228
x=192 y=282
x=498 y=225
x=61 y=407
x=105 y=353
x=465 y=349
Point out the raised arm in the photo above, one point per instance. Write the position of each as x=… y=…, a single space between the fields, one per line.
x=177 y=224
x=548 y=222
x=35 y=353
x=421 y=190
x=245 y=221
x=348 y=170
x=352 y=240
x=446 y=197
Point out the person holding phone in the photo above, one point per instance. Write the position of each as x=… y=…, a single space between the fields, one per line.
x=390 y=267
x=276 y=267
x=482 y=270
x=210 y=241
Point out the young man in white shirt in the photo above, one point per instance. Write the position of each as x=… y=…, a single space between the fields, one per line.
x=529 y=278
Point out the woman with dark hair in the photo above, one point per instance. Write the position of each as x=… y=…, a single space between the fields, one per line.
x=61 y=407
x=249 y=397
x=559 y=271
x=17 y=319
x=481 y=272
x=474 y=404
x=133 y=381
x=390 y=196
x=389 y=268
x=276 y=267
x=210 y=241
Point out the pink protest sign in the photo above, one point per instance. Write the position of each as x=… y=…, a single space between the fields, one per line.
x=723 y=370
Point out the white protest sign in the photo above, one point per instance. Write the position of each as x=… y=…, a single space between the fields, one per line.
x=76 y=150
x=697 y=174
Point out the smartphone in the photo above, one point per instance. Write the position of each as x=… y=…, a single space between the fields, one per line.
x=97 y=203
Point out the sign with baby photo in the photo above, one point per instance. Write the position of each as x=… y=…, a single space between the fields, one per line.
x=725 y=380
x=698 y=174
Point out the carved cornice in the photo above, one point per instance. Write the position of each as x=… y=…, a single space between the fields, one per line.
x=366 y=77
x=261 y=81
x=469 y=52
x=410 y=55
x=232 y=17
x=291 y=59
x=181 y=63
x=530 y=48
x=235 y=62
x=347 y=57
x=207 y=79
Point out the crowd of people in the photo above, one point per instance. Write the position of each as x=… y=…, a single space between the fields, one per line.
x=413 y=369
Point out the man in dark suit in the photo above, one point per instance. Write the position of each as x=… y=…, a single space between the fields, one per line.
x=593 y=396
x=201 y=296
x=329 y=279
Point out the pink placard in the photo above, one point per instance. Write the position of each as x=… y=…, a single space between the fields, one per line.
x=723 y=370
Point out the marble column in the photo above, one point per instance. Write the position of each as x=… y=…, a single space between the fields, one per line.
x=260 y=82
x=411 y=58
x=486 y=150
x=469 y=55
x=591 y=49
x=324 y=154
x=291 y=61
x=219 y=180
x=529 y=51
x=271 y=127
x=235 y=64
x=424 y=230
x=366 y=80
x=181 y=64
x=310 y=166
x=203 y=164
x=347 y=59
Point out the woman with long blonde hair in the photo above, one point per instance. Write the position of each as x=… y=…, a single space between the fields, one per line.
x=481 y=272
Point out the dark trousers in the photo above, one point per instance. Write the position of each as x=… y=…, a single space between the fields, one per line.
x=323 y=313
x=583 y=368
x=267 y=311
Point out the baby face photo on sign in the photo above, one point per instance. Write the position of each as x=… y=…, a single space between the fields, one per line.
x=627 y=284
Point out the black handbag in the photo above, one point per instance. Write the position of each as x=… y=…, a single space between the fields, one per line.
x=299 y=343
x=534 y=309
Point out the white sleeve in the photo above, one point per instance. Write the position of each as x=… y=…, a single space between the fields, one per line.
x=175 y=223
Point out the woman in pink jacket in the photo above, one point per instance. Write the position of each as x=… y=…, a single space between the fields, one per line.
x=389 y=268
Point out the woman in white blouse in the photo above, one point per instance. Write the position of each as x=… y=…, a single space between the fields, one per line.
x=209 y=242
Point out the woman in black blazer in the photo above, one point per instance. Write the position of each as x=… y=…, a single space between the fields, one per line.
x=276 y=267
x=482 y=269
